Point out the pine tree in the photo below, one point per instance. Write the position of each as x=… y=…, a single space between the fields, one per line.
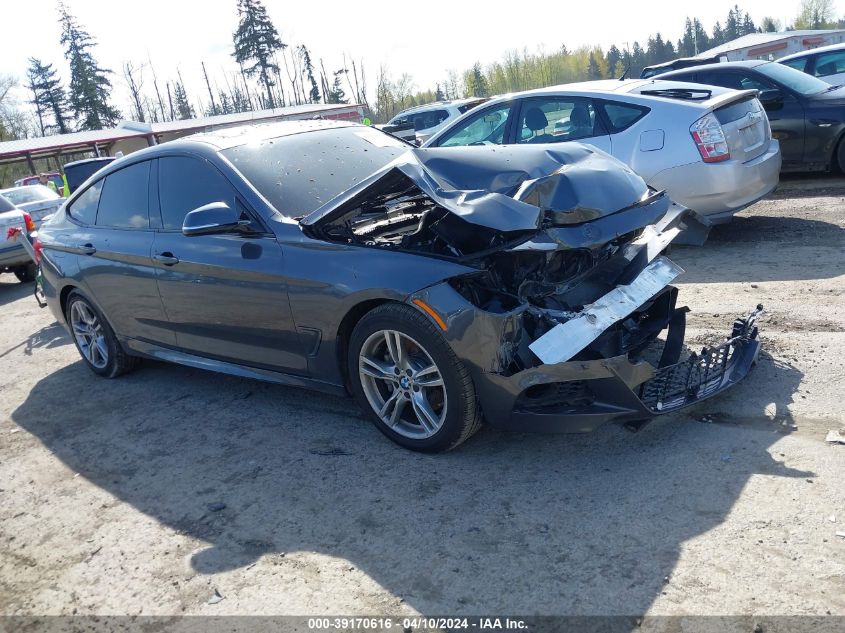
x=613 y=57
x=308 y=70
x=337 y=94
x=256 y=41
x=593 y=70
x=48 y=96
x=476 y=83
x=438 y=94
x=89 y=83
x=183 y=107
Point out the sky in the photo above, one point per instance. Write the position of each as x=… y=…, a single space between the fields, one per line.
x=425 y=38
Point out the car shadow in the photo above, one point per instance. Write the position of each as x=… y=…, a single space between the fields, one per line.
x=764 y=248
x=509 y=523
x=11 y=289
x=47 y=337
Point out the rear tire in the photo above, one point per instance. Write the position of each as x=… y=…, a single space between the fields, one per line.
x=403 y=373
x=95 y=340
x=27 y=273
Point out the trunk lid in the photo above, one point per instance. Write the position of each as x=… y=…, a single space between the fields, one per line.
x=745 y=126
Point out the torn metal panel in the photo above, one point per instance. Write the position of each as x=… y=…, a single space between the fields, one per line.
x=567 y=339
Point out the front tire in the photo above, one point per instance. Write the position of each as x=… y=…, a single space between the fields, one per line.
x=840 y=155
x=27 y=273
x=95 y=340
x=403 y=373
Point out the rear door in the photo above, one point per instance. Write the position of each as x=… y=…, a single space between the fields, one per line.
x=225 y=295
x=114 y=253
x=558 y=119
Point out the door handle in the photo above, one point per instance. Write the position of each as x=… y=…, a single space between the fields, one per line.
x=167 y=258
x=87 y=248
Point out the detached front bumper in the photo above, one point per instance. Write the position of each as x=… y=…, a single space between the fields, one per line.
x=580 y=396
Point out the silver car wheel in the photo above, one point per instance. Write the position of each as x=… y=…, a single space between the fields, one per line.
x=395 y=372
x=89 y=335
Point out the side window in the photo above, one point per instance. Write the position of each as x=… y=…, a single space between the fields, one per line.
x=830 y=64
x=425 y=120
x=557 y=119
x=797 y=64
x=621 y=116
x=485 y=128
x=726 y=80
x=84 y=208
x=124 y=201
x=186 y=183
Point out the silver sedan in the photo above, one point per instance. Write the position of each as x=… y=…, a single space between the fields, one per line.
x=711 y=149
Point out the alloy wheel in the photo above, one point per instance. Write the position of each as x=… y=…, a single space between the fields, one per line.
x=402 y=384
x=89 y=334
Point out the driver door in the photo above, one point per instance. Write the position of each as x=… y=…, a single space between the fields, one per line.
x=225 y=295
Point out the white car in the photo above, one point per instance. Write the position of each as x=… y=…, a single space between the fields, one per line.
x=38 y=201
x=710 y=148
x=13 y=255
x=826 y=62
x=416 y=125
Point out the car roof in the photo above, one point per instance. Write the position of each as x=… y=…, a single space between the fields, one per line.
x=257 y=133
x=748 y=63
x=618 y=87
x=439 y=104
x=813 y=51
x=22 y=187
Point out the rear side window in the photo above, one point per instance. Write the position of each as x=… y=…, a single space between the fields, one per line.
x=621 y=116
x=124 y=201
x=185 y=184
x=84 y=208
x=797 y=64
x=829 y=64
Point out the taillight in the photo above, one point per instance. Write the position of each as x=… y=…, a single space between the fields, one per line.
x=30 y=225
x=710 y=139
x=37 y=247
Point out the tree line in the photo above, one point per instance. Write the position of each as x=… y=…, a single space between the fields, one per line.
x=272 y=73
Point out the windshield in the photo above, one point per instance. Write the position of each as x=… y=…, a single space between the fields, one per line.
x=34 y=193
x=301 y=172
x=801 y=83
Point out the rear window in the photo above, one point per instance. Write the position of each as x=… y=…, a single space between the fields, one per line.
x=5 y=205
x=621 y=116
x=299 y=173
x=738 y=109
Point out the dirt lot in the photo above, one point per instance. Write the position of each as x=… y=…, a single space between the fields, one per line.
x=148 y=493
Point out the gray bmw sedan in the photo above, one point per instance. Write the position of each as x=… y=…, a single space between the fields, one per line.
x=520 y=286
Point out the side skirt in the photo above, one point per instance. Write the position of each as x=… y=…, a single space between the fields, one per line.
x=157 y=352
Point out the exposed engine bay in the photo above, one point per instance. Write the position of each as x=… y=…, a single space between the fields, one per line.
x=544 y=244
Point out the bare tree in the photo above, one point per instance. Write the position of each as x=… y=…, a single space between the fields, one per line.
x=134 y=77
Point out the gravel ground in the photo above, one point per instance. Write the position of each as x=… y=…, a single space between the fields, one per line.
x=148 y=493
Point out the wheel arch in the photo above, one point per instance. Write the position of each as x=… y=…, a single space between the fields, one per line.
x=347 y=324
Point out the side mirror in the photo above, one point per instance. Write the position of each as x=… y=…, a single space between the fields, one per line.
x=215 y=217
x=770 y=95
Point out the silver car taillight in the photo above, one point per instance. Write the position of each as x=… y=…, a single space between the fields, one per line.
x=710 y=139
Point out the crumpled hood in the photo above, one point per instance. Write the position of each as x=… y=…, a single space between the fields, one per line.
x=507 y=188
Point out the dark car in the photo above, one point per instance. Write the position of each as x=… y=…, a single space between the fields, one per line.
x=806 y=114
x=676 y=64
x=79 y=171
x=521 y=284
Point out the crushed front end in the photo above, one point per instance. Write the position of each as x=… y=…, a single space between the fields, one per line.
x=560 y=315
